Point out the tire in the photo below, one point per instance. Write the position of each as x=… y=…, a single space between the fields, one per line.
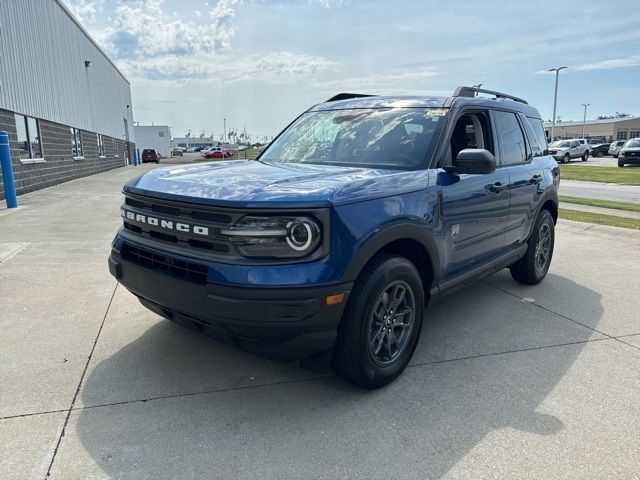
x=363 y=353
x=566 y=158
x=600 y=154
x=585 y=156
x=620 y=164
x=530 y=269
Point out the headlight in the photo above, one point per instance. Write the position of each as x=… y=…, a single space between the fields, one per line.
x=275 y=236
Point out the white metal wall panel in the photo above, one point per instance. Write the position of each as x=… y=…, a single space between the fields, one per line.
x=149 y=137
x=43 y=73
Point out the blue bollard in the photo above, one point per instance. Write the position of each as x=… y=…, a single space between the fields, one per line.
x=137 y=156
x=7 y=171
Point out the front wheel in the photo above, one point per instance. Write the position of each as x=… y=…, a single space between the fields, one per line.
x=585 y=156
x=620 y=164
x=600 y=154
x=381 y=325
x=533 y=267
x=566 y=159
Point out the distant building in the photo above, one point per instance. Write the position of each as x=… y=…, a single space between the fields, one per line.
x=600 y=130
x=157 y=137
x=187 y=142
x=66 y=106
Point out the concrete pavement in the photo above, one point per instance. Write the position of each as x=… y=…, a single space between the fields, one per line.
x=508 y=381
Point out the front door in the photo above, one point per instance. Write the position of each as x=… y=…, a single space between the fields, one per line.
x=474 y=207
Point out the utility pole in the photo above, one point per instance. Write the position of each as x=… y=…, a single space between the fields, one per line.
x=225 y=130
x=584 y=118
x=555 y=101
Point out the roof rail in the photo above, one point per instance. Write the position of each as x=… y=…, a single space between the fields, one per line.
x=345 y=96
x=471 y=92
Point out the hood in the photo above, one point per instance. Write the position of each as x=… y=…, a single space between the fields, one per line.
x=253 y=183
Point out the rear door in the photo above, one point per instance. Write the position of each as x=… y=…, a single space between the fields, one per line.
x=515 y=155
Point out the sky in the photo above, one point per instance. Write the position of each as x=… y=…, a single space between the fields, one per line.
x=260 y=63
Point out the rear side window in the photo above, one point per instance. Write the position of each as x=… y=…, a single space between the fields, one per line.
x=512 y=144
x=541 y=138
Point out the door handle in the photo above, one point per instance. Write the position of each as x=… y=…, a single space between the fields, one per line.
x=497 y=187
x=536 y=179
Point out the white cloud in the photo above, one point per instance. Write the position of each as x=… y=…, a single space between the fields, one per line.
x=85 y=10
x=275 y=67
x=632 y=61
x=387 y=80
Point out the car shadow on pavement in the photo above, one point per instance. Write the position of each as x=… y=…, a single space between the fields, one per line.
x=485 y=364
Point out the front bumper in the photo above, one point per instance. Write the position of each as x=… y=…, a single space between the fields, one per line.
x=287 y=323
x=629 y=159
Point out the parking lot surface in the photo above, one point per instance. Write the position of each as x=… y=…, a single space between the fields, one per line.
x=508 y=381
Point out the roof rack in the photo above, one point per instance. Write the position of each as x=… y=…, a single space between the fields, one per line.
x=345 y=96
x=471 y=92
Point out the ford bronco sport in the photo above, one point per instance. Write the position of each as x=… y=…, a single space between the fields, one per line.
x=332 y=243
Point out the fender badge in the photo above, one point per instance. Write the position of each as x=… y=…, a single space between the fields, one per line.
x=455 y=230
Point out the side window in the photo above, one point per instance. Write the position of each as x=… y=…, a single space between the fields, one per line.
x=471 y=131
x=538 y=130
x=575 y=144
x=512 y=143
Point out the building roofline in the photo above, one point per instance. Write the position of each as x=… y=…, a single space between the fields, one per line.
x=66 y=10
x=578 y=123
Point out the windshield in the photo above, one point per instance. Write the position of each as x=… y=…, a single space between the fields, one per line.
x=632 y=144
x=561 y=144
x=378 y=138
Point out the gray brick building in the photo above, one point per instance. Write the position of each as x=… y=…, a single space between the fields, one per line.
x=68 y=108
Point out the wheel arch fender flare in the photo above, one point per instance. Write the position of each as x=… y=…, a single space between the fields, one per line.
x=382 y=236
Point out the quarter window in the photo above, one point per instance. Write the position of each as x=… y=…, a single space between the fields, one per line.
x=512 y=144
x=28 y=133
x=76 y=142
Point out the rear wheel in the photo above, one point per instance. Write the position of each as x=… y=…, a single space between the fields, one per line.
x=381 y=325
x=533 y=267
x=585 y=156
x=566 y=158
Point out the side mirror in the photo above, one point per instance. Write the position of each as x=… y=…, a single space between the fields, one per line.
x=473 y=160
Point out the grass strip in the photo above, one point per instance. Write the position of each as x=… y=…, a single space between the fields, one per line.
x=609 y=220
x=595 y=202
x=626 y=176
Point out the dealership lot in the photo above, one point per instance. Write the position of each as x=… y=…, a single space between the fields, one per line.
x=508 y=381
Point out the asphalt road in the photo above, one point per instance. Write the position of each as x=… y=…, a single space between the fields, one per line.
x=604 y=191
x=508 y=381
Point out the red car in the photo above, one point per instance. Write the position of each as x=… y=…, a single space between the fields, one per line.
x=215 y=152
x=150 y=155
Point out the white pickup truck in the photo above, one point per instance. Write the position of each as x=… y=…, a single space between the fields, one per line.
x=564 y=150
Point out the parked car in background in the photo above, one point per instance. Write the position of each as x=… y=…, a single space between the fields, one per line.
x=150 y=155
x=600 y=150
x=215 y=152
x=630 y=153
x=615 y=147
x=177 y=152
x=191 y=149
x=564 y=150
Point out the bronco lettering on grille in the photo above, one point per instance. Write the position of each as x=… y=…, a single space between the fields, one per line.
x=167 y=224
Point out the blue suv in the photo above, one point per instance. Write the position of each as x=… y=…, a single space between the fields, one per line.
x=331 y=243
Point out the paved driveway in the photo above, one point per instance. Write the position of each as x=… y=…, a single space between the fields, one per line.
x=508 y=381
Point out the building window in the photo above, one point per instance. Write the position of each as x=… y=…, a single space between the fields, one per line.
x=28 y=132
x=634 y=134
x=100 y=145
x=621 y=135
x=161 y=134
x=76 y=142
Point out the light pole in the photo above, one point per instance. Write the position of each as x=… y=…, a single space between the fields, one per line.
x=555 y=100
x=584 y=118
x=224 y=138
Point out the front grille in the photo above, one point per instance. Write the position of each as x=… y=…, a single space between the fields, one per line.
x=189 y=271
x=166 y=215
